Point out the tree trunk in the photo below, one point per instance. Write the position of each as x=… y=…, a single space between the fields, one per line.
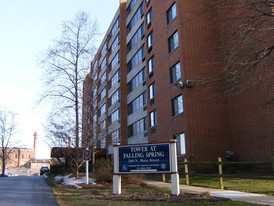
x=3 y=161
x=77 y=172
x=93 y=160
x=76 y=103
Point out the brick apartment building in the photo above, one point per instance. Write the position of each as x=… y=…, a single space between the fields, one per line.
x=153 y=79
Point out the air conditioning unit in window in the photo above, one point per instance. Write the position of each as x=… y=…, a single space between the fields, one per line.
x=150 y=74
x=180 y=84
x=190 y=83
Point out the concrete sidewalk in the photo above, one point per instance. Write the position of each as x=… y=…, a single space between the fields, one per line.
x=230 y=194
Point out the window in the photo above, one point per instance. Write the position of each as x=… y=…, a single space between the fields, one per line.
x=95 y=91
x=151 y=90
x=136 y=59
x=149 y=41
x=95 y=64
x=103 y=78
x=175 y=72
x=104 y=48
x=115 y=136
x=115 y=43
x=95 y=118
x=149 y=17
x=137 y=103
x=150 y=64
x=136 y=17
x=103 y=63
x=95 y=76
x=103 y=110
x=103 y=142
x=115 y=97
x=103 y=94
x=102 y=125
x=181 y=144
x=115 y=60
x=114 y=116
x=177 y=105
x=136 y=37
x=131 y=6
x=152 y=118
x=173 y=41
x=114 y=79
x=136 y=81
x=115 y=27
x=171 y=13
x=137 y=127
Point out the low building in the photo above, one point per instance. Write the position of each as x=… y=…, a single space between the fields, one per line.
x=22 y=161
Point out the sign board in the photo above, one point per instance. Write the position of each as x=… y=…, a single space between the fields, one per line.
x=149 y=158
x=86 y=154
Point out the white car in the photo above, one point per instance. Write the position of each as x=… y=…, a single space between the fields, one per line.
x=10 y=174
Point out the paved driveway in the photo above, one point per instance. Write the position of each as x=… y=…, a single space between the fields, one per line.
x=25 y=191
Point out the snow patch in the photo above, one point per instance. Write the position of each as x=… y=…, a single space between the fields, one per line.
x=66 y=180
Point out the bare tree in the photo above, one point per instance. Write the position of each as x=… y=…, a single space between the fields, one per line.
x=66 y=64
x=246 y=40
x=7 y=131
x=58 y=132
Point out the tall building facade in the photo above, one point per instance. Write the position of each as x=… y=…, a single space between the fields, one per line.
x=147 y=85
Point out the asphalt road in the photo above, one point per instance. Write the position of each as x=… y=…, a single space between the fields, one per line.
x=26 y=191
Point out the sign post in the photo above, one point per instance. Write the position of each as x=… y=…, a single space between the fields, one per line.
x=86 y=157
x=174 y=169
x=116 y=177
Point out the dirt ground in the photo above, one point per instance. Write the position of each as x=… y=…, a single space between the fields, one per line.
x=104 y=192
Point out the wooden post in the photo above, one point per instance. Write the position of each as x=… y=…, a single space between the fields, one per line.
x=273 y=164
x=220 y=173
x=186 y=171
x=164 y=177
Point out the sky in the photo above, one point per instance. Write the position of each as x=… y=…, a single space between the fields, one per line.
x=27 y=29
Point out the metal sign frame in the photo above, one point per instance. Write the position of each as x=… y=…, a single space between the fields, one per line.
x=86 y=155
x=149 y=158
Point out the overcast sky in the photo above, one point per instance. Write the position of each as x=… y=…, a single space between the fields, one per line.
x=27 y=28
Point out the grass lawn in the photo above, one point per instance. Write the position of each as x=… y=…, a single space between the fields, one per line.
x=262 y=184
x=255 y=185
x=83 y=197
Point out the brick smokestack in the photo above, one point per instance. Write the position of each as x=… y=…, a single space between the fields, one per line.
x=34 y=144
